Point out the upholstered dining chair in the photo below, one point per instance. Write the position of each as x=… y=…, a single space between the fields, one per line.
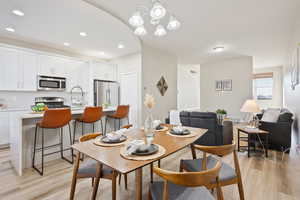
x=228 y=175
x=185 y=185
x=88 y=169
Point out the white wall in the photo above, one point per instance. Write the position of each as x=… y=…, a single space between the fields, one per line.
x=292 y=97
x=239 y=70
x=277 y=99
x=157 y=63
x=131 y=64
x=188 y=85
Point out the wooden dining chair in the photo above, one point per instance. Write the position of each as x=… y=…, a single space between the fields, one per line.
x=185 y=185
x=88 y=169
x=228 y=174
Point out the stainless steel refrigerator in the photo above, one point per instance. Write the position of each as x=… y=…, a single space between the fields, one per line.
x=106 y=93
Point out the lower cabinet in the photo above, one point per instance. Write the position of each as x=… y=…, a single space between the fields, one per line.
x=4 y=128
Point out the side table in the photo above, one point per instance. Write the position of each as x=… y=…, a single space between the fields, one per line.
x=251 y=132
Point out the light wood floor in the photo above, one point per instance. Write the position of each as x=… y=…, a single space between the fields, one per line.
x=264 y=179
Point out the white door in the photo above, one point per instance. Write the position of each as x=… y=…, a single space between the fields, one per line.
x=129 y=95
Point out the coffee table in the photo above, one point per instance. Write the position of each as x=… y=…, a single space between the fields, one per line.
x=252 y=132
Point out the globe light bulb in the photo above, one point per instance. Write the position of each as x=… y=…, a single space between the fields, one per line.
x=160 y=31
x=173 y=24
x=157 y=11
x=140 y=31
x=136 y=20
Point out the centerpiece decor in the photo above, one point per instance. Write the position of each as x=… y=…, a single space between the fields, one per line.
x=149 y=102
x=221 y=114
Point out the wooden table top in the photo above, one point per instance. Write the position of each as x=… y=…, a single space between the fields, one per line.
x=111 y=157
x=252 y=131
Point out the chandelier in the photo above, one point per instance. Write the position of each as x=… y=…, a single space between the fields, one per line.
x=156 y=15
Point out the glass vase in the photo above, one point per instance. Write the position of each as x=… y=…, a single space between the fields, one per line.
x=149 y=128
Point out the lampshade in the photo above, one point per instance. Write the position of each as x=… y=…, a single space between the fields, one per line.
x=250 y=106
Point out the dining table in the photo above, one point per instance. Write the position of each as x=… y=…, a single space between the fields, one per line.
x=110 y=156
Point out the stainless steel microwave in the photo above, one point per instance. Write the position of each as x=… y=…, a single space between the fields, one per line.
x=51 y=83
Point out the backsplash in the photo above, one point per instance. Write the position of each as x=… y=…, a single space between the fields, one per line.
x=14 y=99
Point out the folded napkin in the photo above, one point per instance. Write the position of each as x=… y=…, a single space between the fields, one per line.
x=156 y=123
x=178 y=129
x=116 y=135
x=133 y=146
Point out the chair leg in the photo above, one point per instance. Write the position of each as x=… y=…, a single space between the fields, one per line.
x=61 y=143
x=105 y=124
x=120 y=177
x=151 y=172
x=180 y=167
x=70 y=135
x=82 y=128
x=74 y=133
x=114 y=186
x=34 y=146
x=42 y=152
x=127 y=120
x=158 y=163
x=241 y=189
x=125 y=181
x=119 y=124
x=193 y=152
x=74 y=178
x=114 y=124
x=97 y=180
x=149 y=195
x=101 y=126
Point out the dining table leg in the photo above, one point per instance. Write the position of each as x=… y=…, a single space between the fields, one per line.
x=138 y=183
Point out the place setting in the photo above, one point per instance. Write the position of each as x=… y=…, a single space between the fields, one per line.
x=112 y=139
x=180 y=131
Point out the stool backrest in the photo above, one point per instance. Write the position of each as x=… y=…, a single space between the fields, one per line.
x=122 y=111
x=92 y=114
x=128 y=126
x=56 y=118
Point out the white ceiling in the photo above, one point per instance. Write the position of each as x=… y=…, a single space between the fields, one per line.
x=53 y=22
x=258 y=28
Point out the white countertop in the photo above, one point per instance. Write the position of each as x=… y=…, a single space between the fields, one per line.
x=74 y=111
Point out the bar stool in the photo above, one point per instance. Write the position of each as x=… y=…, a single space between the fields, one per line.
x=121 y=113
x=52 y=119
x=89 y=116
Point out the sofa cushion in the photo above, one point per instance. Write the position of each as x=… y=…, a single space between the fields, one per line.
x=271 y=115
x=285 y=117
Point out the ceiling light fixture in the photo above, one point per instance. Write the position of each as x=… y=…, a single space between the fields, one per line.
x=157 y=12
x=101 y=53
x=173 y=24
x=66 y=44
x=218 y=49
x=141 y=31
x=9 y=29
x=83 y=34
x=136 y=19
x=160 y=31
x=18 y=13
x=121 y=46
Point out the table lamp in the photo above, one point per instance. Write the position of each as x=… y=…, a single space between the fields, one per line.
x=250 y=107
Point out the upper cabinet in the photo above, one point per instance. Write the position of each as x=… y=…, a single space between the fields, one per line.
x=18 y=70
x=104 y=71
x=77 y=73
x=52 y=66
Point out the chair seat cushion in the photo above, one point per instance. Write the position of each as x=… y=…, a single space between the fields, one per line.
x=88 y=168
x=177 y=192
x=226 y=172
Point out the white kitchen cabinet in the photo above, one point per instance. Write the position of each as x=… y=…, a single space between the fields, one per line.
x=52 y=66
x=4 y=128
x=9 y=66
x=77 y=74
x=29 y=71
x=103 y=71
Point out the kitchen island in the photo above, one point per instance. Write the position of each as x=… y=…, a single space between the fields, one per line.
x=22 y=127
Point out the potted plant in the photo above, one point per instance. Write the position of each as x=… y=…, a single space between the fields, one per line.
x=221 y=114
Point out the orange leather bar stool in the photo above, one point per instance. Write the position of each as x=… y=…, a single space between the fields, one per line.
x=121 y=113
x=52 y=119
x=89 y=116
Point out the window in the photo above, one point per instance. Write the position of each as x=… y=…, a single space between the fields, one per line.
x=263 y=86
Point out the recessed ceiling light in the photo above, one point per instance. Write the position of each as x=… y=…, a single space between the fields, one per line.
x=101 y=53
x=66 y=44
x=18 y=12
x=83 y=34
x=9 y=29
x=121 y=46
x=218 y=49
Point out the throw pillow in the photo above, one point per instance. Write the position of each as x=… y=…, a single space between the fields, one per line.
x=271 y=115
